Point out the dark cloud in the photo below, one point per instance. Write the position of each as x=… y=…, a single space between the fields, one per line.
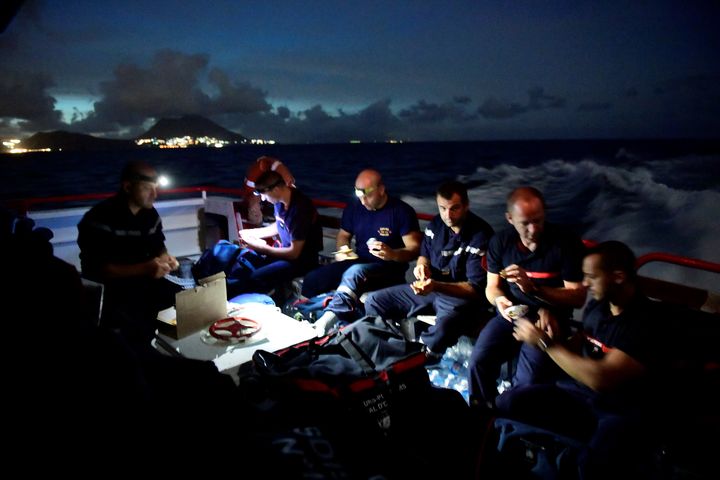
x=170 y=86
x=540 y=101
x=326 y=54
x=283 y=112
x=25 y=99
x=495 y=109
x=594 y=106
x=376 y=122
x=239 y=97
x=424 y=112
x=176 y=83
x=462 y=100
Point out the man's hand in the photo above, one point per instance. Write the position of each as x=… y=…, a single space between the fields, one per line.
x=159 y=267
x=170 y=260
x=423 y=287
x=345 y=253
x=249 y=240
x=530 y=333
x=254 y=243
x=525 y=331
x=421 y=272
x=380 y=250
x=246 y=235
x=547 y=321
x=502 y=303
x=518 y=275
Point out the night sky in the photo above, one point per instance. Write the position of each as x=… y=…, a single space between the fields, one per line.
x=334 y=71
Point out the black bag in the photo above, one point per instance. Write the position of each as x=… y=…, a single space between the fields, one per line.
x=526 y=451
x=366 y=368
x=367 y=391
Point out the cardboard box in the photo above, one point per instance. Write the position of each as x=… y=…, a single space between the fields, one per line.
x=195 y=308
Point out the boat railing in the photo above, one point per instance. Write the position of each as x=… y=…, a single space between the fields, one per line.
x=25 y=205
x=674 y=292
x=657 y=288
x=679 y=293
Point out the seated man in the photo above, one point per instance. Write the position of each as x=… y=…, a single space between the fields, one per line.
x=296 y=223
x=532 y=263
x=261 y=165
x=122 y=245
x=449 y=273
x=105 y=390
x=387 y=237
x=610 y=367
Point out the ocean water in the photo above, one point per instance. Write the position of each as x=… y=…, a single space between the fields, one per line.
x=655 y=195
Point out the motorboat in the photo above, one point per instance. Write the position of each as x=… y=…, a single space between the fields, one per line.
x=196 y=217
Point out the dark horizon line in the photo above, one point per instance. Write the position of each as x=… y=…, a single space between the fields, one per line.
x=400 y=141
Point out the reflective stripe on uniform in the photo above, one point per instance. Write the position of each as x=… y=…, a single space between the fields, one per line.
x=125 y=233
x=346 y=289
x=468 y=248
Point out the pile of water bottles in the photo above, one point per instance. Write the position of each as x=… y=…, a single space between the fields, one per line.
x=452 y=370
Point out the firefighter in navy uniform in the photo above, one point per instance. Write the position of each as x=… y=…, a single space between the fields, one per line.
x=122 y=246
x=449 y=275
x=611 y=369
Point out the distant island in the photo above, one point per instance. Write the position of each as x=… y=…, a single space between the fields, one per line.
x=182 y=132
x=61 y=140
x=192 y=126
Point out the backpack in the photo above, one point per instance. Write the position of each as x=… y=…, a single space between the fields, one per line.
x=367 y=390
x=237 y=262
x=367 y=366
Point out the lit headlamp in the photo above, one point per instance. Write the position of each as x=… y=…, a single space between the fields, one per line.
x=361 y=192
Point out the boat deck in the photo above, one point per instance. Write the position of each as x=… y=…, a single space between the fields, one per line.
x=697 y=320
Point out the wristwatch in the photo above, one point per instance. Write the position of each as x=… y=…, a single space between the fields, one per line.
x=544 y=343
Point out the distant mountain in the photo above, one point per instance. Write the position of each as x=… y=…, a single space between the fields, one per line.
x=190 y=125
x=61 y=139
x=193 y=126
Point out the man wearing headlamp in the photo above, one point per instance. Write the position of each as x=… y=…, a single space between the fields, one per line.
x=299 y=233
x=122 y=246
x=261 y=165
x=387 y=237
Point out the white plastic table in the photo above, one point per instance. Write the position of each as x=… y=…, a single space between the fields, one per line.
x=277 y=331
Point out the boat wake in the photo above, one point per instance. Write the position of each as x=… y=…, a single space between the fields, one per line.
x=634 y=204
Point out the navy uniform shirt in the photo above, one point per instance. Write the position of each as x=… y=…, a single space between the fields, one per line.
x=557 y=258
x=300 y=221
x=630 y=331
x=457 y=257
x=110 y=233
x=637 y=331
x=388 y=225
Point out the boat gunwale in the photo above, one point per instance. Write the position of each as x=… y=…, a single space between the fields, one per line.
x=24 y=206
